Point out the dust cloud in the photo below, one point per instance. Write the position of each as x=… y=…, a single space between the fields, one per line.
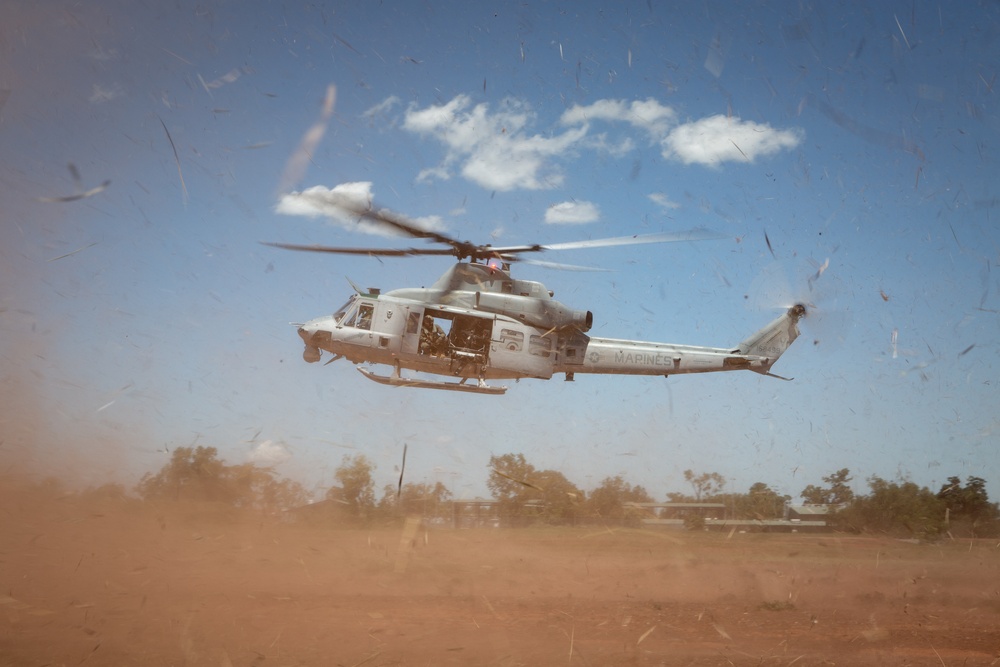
x=101 y=578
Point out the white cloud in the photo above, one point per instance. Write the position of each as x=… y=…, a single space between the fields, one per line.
x=339 y=205
x=651 y=114
x=440 y=173
x=493 y=148
x=717 y=139
x=99 y=94
x=380 y=109
x=435 y=119
x=709 y=141
x=599 y=110
x=101 y=55
x=600 y=143
x=434 y=223
x=648 y=115
x=269 y=453
x=663 y=201
x=572 y=212
x=229 y=77
x=335 y=204
x=509 y=163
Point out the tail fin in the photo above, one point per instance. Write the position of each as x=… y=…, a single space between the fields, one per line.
x=765 y=346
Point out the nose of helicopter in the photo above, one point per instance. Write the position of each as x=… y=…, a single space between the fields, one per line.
x=314 y=335
x=306 y=331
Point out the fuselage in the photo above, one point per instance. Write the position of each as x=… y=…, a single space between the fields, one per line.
x=478 y=323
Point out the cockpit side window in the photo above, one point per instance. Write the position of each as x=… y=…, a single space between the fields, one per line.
x=365 y=313
x=413 y=322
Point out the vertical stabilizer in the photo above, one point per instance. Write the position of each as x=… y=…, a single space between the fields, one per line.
x=771 y=342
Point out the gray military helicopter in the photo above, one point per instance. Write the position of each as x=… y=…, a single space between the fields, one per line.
x=477 y=323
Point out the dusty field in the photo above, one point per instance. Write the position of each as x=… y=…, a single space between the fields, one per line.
x=106 y=585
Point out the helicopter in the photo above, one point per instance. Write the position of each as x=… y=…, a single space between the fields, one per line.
x=478 y=324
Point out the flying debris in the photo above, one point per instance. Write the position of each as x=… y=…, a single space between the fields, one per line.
x=80 y=192
x=819 y=272
x=297 y=163
x=402 y=469
x=522 y=482
x=768 y=242
x=89 y=245
x=177 y=159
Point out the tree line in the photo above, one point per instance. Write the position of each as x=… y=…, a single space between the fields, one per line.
x=525 y=495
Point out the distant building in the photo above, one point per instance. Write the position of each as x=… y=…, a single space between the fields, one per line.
x=800 y=518
x=674 y=514
x=475 y=513
x=810 y=512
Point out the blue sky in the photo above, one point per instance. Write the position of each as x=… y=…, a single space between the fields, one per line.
x=863 y=135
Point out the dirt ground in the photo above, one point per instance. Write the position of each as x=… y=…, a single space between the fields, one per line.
x=107 y=584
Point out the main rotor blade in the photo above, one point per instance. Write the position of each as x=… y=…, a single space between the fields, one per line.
x=697 y=234
x=373 y=252
x=398 y=222
x=463 y=249
x=554 y=265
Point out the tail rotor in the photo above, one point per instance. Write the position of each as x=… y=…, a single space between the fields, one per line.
x=810 y=284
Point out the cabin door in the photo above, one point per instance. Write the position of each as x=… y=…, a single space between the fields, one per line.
x=522 y=349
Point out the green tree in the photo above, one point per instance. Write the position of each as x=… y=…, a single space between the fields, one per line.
x=760 y=502
x=357 y=489
x=261 y=489
x=524 y=494
x=837 y=491
x=509 y=482
x=704 y=485
x=281 y=494
x=559 y=499
x=813 y=495
x=969 y=504
x=608 y=501
x=423 y=499
x=894 y=508
x=192 y=474
x=112 y=491
x=199 y=475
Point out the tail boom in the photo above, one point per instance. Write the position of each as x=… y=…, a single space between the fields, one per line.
x=629 y=357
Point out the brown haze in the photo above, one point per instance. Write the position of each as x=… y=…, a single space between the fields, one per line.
x=100 y=578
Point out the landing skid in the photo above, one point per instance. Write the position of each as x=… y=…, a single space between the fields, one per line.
x=394 y=381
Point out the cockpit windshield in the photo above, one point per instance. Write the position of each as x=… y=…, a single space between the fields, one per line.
x=340 y=313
